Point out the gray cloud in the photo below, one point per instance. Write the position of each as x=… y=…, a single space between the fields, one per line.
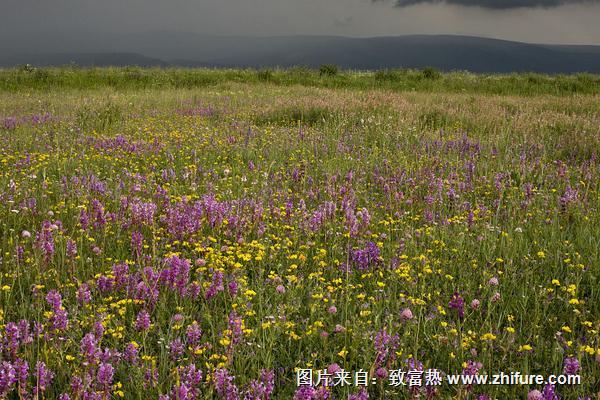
x=496 y=4
x=29 y=25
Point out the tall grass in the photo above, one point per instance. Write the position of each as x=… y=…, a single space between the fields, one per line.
x=427 y=80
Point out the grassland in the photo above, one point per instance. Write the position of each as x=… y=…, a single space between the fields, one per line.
x=426 y=80
x=199 y=234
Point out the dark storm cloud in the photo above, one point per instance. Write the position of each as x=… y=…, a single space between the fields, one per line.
x=93 y=25
x=497 y=4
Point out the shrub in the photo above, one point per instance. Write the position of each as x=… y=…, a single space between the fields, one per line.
x=265 y=75
x=430 y=73
x=328 y=70
x=389 y=75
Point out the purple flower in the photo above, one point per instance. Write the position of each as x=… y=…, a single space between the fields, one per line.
x=216 y=286
x=8 y=378
x=10 y=123
x=142 y=321
x=59 y=320
x=105 y=375
x=142 y=213
x=262 y=388
x=233 y=288
x=367 y=257
x=89 y=348
x=22 y=371
x=415 y=364
x=457 y=303
x=224 y=385
x=235 y=326
x=131 y=354
x=98 y=329
x=12 y=338
x=385 y=346
x=193 y=333
x=84 y=295
x=472 y=368
x=406 y=314
x=549 y=393
x=571 y=366
x=191 y=375
x=176 y=275
x=362 y=395
x=76 y=385
x=71 y=248
x=176 y=349
x=54 y=299
x=44 y=377
x=535 y=395
x=305 y=393
x=570 y=196
x=45 y=241
x=150 y=377
x=98 y=214
x=267 y=378
x=381 y=373
x=84 y=219
x=137 y=240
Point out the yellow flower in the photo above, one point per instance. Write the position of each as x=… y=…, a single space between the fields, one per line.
x=541 y=254
x=199 y=351
x=525 y=347
x=488 y=336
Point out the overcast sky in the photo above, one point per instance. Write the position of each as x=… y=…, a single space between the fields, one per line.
x=541 y=21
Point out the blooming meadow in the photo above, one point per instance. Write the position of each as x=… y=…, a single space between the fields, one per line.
x=209 y=243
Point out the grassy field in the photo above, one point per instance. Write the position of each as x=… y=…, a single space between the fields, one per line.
x=328 y=76
x=197 y=234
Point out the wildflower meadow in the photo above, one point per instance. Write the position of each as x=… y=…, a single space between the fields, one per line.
x=211 y=240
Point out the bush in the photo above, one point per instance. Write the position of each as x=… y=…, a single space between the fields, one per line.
x=328 y=70
x=26 y=68
x=386 y=75
x=265 y=75
x=431 y=73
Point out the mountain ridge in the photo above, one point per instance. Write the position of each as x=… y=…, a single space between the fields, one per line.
x=445 y=52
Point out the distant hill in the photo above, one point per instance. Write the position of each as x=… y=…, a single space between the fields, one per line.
x=446 y=52
x=85 y=59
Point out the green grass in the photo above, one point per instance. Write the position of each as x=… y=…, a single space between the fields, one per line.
x=461 y=186
x=426 y=80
